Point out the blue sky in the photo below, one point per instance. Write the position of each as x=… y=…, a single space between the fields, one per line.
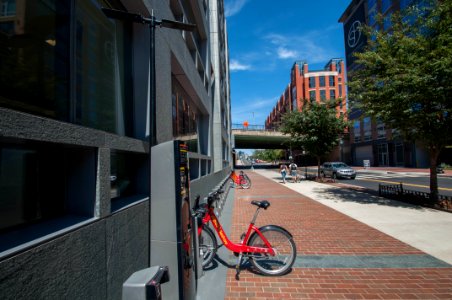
x=266 y=37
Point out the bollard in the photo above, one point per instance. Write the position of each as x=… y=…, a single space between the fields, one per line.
x=145 y=284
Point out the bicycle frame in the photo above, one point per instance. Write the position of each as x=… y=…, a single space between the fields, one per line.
x=237 y=179
x=242 y=247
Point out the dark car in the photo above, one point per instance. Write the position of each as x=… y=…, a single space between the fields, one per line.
x=337 y=170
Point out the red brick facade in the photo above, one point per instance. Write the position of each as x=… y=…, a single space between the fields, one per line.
x=305 y=85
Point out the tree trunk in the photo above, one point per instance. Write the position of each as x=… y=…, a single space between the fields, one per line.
x=318 y=166
x=434 y=153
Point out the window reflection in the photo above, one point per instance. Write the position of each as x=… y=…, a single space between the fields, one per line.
x=70 y=71
x=185 y=117
x=99 y=70
x=34 y=54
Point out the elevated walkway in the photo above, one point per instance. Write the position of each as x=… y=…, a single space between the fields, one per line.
x=257 y=137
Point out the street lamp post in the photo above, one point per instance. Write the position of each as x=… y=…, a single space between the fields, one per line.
x=152 y=22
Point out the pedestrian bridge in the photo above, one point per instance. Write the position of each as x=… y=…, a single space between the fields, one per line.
x=257 y=137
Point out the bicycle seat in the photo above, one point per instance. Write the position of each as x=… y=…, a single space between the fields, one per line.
x=262 y=204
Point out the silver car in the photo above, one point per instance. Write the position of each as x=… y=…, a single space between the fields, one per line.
x=337 y=170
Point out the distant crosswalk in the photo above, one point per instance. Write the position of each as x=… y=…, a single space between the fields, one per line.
x=389 y=175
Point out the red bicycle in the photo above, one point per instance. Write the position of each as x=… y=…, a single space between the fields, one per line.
x=270 y=249
x=241 y=180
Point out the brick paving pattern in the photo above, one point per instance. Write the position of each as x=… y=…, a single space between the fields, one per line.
x=321 y=231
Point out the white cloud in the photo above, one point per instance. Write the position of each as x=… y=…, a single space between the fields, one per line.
x=235 y=65
x=254 y=111
x=312 y=46
x=285 y=53
x=232 y=7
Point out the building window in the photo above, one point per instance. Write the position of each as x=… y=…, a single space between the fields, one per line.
x=381 y=130
x=331 y=81
x=322 y=95
x=332 y=94
x=367 y=129
x=185 y=117
x=357 y=131
x=321 y=81
x=127 y=178
x=312 y=96
x=387 y=22
x=7 y=8
x=311 y=82
x=372 y=16
x=41 y=182
x=405 y=3
x=75 y=72
x=340 y=90
x=385 y=5
x=371 y=3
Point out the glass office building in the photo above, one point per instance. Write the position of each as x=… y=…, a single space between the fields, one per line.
x=370 y=139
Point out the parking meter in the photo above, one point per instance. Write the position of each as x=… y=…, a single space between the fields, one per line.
x=145 y=284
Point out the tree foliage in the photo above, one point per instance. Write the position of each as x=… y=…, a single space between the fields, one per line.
x=269 y=154
x=405 y=77
x=316 y=129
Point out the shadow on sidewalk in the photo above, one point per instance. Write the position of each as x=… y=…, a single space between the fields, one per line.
x=361 y=196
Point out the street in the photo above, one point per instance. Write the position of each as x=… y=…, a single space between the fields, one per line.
x=411 y=180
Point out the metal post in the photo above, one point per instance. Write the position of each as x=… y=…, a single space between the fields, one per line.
x=153 y=95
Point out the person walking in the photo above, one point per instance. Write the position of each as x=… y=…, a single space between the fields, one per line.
x=283 y=170
x=293 y=171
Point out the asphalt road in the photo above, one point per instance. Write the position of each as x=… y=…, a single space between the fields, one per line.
x=410 y=181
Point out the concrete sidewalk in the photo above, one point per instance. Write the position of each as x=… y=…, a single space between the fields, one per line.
x=345 y=247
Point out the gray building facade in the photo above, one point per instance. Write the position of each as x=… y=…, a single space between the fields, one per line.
x=75 y=192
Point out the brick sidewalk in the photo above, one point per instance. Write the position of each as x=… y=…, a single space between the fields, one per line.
x=337 y=256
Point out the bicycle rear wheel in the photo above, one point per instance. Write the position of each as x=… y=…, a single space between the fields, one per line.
x=207 y=245
x=245 y=182
x=284 y=246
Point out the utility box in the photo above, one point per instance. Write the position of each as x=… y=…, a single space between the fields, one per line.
x=145 y=284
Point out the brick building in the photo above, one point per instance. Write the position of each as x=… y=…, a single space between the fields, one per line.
x=315 y=85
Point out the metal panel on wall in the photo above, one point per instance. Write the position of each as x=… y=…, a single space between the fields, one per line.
x=354 y=38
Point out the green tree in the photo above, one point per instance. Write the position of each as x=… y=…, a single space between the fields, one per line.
x=316 y=129
x=269 y=154
x=405 y=76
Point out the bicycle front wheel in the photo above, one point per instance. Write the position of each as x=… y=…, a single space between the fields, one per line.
x=245 y=182
x=207 y=246
x=282 y=243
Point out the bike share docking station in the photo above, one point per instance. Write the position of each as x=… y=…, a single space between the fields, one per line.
x=173 y=239
x=172 y=228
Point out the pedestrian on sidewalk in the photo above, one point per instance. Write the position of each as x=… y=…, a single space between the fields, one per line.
x=293 y=171
x=283 y=170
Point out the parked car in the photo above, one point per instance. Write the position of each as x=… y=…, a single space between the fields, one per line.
x=337 y=170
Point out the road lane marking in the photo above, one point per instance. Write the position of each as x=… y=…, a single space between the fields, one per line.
x=359 y=177
x=407 y=184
